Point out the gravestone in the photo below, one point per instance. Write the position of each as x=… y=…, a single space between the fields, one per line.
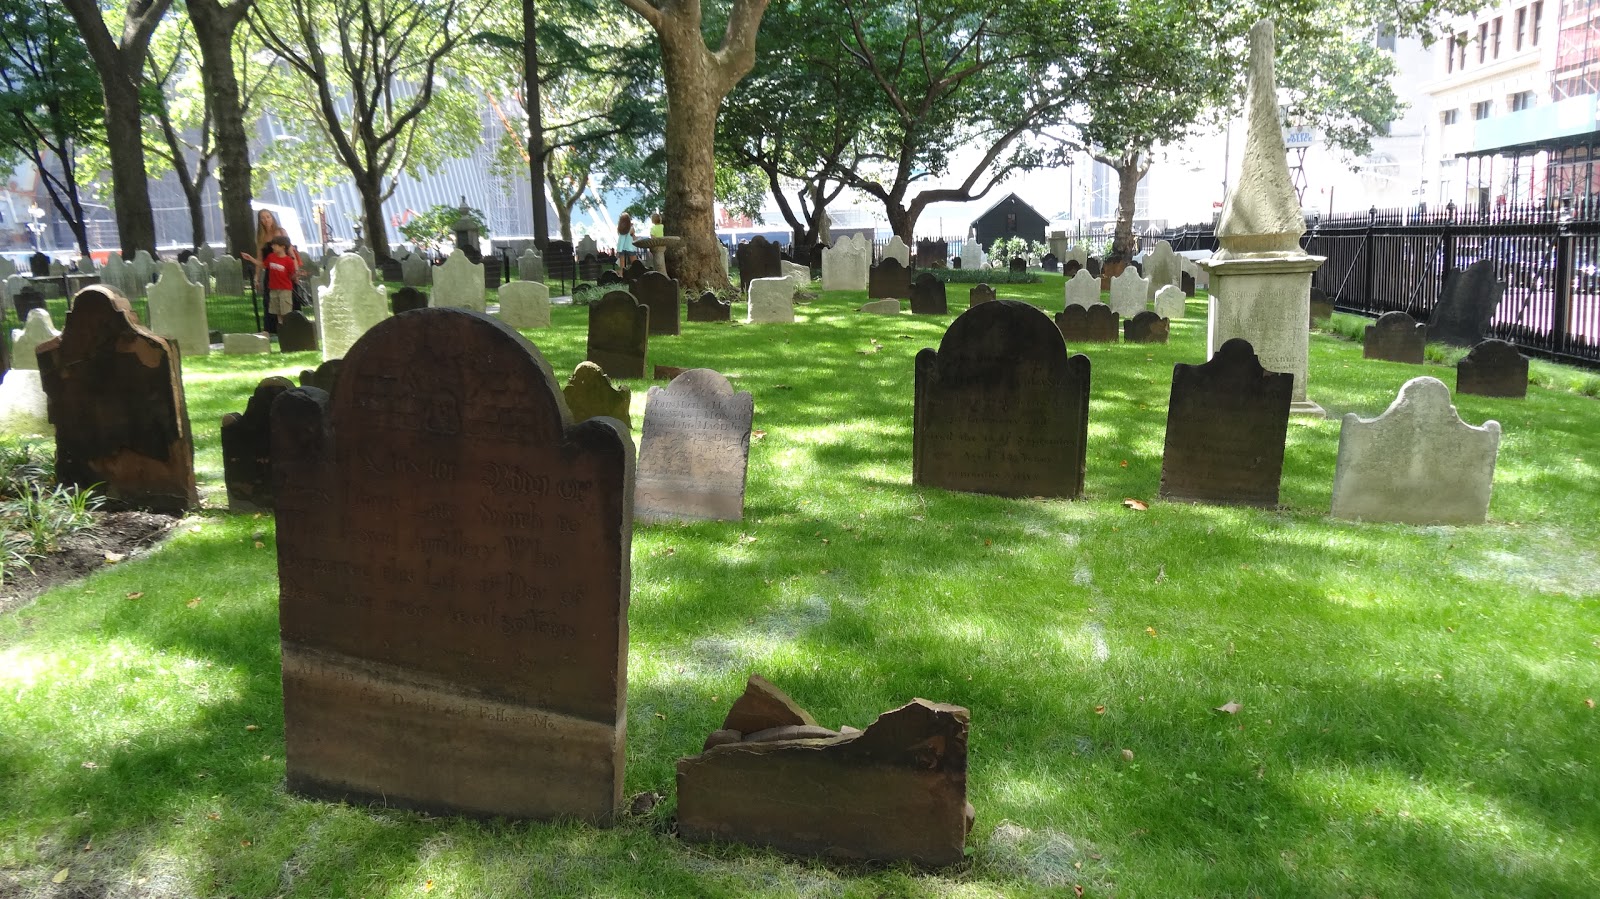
x=247 y=449
x=1492 y=368
x=530 y=266
x=7 y=267
x=1170 y=302
x=667 y=372
x=758 y=258
x=214 y=335
x=1226 y=426
x=145 y=267
x=694 y=450
x=559 y=263
x=897 y=250
x=799 y=274
x=589 y=393
x=348 y=306
x=365 y=252
x=889 y=280
x=415 y=271
x=1000 y=408
x=932 y=253
x=1018 y=265
x=587 y=247
x=619 y=335
x=636 y=270
x=660 y=293
x=881 y=307
x=245 y=344
x=296 y=333
x=26 y=300
x=1071 y=267
x=1395 y=337
x=116 y=400
x=324 y=377
x=178 y=311
x=39 y=265
x=971 y=254
x=1083 y=289
x=14 y=285
x=459 y=283
x=227 y=273
x=1417 y=463
x=1466 y=305
x=1146 y=327
x=589 y=268
x=1161 y=269
x=980 y=293
x=1187 y=284
x=1074 y=255
x=1050 y=263
x=609 y=278
x=1095 y=269
x=196 y=272
x=707 y=308
x=1321 y=306
x=1129 y=294
x=207 y=254
x=525 y=304
x=406 y=299
x=24 y=409
x=1112 y=267
x=1092 y=324
x=928 y=295
x=771 y=301
x=846 y=263
x=492 y=272
x=25 y=340
x=453 y=579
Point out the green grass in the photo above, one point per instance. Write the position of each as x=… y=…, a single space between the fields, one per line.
x=1413 y=722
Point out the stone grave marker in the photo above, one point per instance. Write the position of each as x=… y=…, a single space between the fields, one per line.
x=587 y=247
x=1492 y=368
x=980 y=293
x=196 y=272
x=881 y=307
x=589 y=393
x=589 y=268
x=707 y=308
x=116 y=400
x=1092 y=324
x=26 y=300
x=493 y=272
x=971 y=254
x=694 y=450
x=559 y=262
x=406 y=299
x=1186 y=284
x=1129 y=294
x=1018 y=265
x=390 y=270
x=530 y=266
x=365 y=252
x=1146 y=327
x=525 y=304
x=619 y=335
x=1161 y=269
x=667 y=372
x=796 y=272
x=1093 y=266
x=15 y=284
x=1050 y=263
x=636 y=270
x=296 y=333
x=1000 y=408
x=897 y=250
x=324 y=377
x=247 y=449
x=1170 y=302
x=1083 y=289
x=207 y=254
x=145 y=267
x=24 y=409
x=1074 y=255
x=1070 y=268
x=1111 y=267
x=38 y=265
x=453 y=575
x=227 y=273
x=846 y=263
x=1417 y=463
x=7 y=267
x=348 y=306
x=1321 y=306
x=758 y=258
x=610 y=278
x=889 y=280
x=245 y=344
x=933 y=254
x=1395 y=337
x=415 y=271
x=928 y=295
x=771 y=301
x=459 y=283
x=660 y=293
x=1466 y=305
x=1226 y=426
x=178 y=311
x=214 y=335
x=26 y=340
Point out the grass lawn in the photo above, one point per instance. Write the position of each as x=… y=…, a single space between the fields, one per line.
x=1416 y=714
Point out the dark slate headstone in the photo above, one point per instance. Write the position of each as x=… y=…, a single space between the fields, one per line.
x=1493 y=368
x=980 y=293
x=707 y=308
x=38 y=266
x=1071 y=267
x=324 y=377
x=660 y=293
x=1018 y=265
x=493 y=271
x=214 y=336
x=115 y=395
x=932 y=253
x=1146 y=327
x=1186 y=281
x=558 y=261
x=1321 y=306
x=27 y=300
x=619 y=335
x=390 y=269
x=1000 y=408
x=296 y=333
x=247 y=449
x=635 y=271
x=694 y=450
x=608 y=278
x=1094 y=324
x=453 y=579
x=955 y=262
x=928 y=295
x=1395 y=337
x=889 y=280
x=589 y=268
x=406 y=299
x=758 y=258
x=1095 y=270
x=1050 y=263
x=1466 y=305
x=1226 y=426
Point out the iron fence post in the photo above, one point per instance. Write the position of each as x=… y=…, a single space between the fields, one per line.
x=1447 y=242
x=1561 y=307
x=1369 y=297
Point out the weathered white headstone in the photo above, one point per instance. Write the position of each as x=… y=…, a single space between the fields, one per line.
x=348 y=306
x=14 y=285
x=228 y=276
x=23 y=406
x=799 y=274
x=245 y=344
x=771 y=300
x=196 y=272
x=178 y=310
x=207 y=254
x=365 y=252
x=7 y=267
x=25 y=339
x=1417 y=463
x=1170 y=302
x=845 y=264
x=694 y=450
x=459 y=283
x=1161 y=269
x=145 y=268
x=587 y=247
x=525 y=304
x=897 y=249
x=971 y=254
x=1075 y=254
x=415 y=271
x=1128 y=293
x=882 y=307
x=530 y=267
x=120 y=276
x=1083 y=289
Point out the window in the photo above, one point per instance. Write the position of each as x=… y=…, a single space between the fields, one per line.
x=1461 y=50
x=1480 y=111
x=1522 y=27
x=1450 y=53
x=1520 y=101
x=1448 y=117
x=1483 y=42
x=1494 y=46
x=1535 y=15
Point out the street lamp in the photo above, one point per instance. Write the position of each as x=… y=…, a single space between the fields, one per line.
x=36 y=226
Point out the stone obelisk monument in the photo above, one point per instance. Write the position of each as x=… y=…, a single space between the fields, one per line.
x=1260 y=278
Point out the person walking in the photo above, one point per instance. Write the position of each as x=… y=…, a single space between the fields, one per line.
x=625 y=248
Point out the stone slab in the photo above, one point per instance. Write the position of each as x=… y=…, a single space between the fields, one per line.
x=619 y=335
x=525 y=304
x=661 y=294
x=245 y=344
x=1094 y=324
x=694 y=450
x=881 y=307
x=1493 y=368
x=980 y=293
x=707 y=308
x=178 y=310
x=928 y=295
x=889 y=280
x=26 y=340
x=1227 y=423
x=296 y=333
x=1395 y=337
x=1146 y=327
x=771 y=301
x=1466 y=306
x=589 y=393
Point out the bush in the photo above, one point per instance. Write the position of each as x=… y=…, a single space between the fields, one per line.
x=983 y=276
x=35 y=512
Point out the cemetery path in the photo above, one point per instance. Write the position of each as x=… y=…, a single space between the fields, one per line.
x=115 y=534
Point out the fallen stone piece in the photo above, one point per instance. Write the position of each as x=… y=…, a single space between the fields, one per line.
x=881 y=307
x=764 y=706
x=245 y=344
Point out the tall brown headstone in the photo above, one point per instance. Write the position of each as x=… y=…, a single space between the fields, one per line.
x=453 y=558
x=889 y=280
x=980 y=293
x=1000 y=408
x=247 y=449
x=115 y=395
x=758 y=258
x=694 y=450
x=1493 y=368
x=1395 y=337
x=707 y=308
x=1226 y=426
x=660 y=293
x=928 y=295
x=619 y=335
x=1088 y=324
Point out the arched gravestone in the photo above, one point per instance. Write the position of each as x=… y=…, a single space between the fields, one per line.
x=589 y=393
x=1018 y=265
x=416 y=271
x=406 y=299
x=525 y=304
x=980 y=293
x=296 y=333
x=1321 y=305
x=1226 y=426
x=389 y=269
x=694 y=450
x=453 y=575
x=889 y=280
x=324 y=377
x=1091 y=324
x=635 y=271
x=459 y=282
x=1110 y=267
x=1146 y=327
x=932 y=253
x=660 y=293
x=1163 y=268
x=559 y=262
x=1082 y=289
x=247 y=449
x=1000 y=408
x=589 y=268
x=1492 y=368
x=1466 y=306
x=1071 y=267
x=928 y=295
x=39 y=329
x=1050 y=263
x=707 y=308
x=1093 y=266
x=39 y=265
x=1395 y=337
x=349 y=306
x=26 y=300
x=619 y=335
x=608 y=278
x=758 y=258
x=116 y=399
x=177 y=309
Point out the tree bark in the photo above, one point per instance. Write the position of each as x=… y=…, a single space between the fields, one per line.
x=536 y=151
x=369 y=185
x=214 y=27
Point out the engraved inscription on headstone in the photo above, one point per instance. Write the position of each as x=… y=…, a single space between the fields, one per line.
x=928 y=295
x=1395 y=337
x=247 y=449
x=619 y=335
x=694 y=450
x=1492 y=368
x=1094 y=324
x=1226 y=426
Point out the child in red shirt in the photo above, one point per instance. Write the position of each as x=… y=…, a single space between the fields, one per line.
x=282 y=269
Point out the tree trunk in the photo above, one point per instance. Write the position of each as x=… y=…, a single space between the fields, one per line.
x=214 y=28
x=130 y=186
x=902 y=221
x=536 y=154
x=197 y=212
x=1123 y=239
x=369 y=185
x=693 y=97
